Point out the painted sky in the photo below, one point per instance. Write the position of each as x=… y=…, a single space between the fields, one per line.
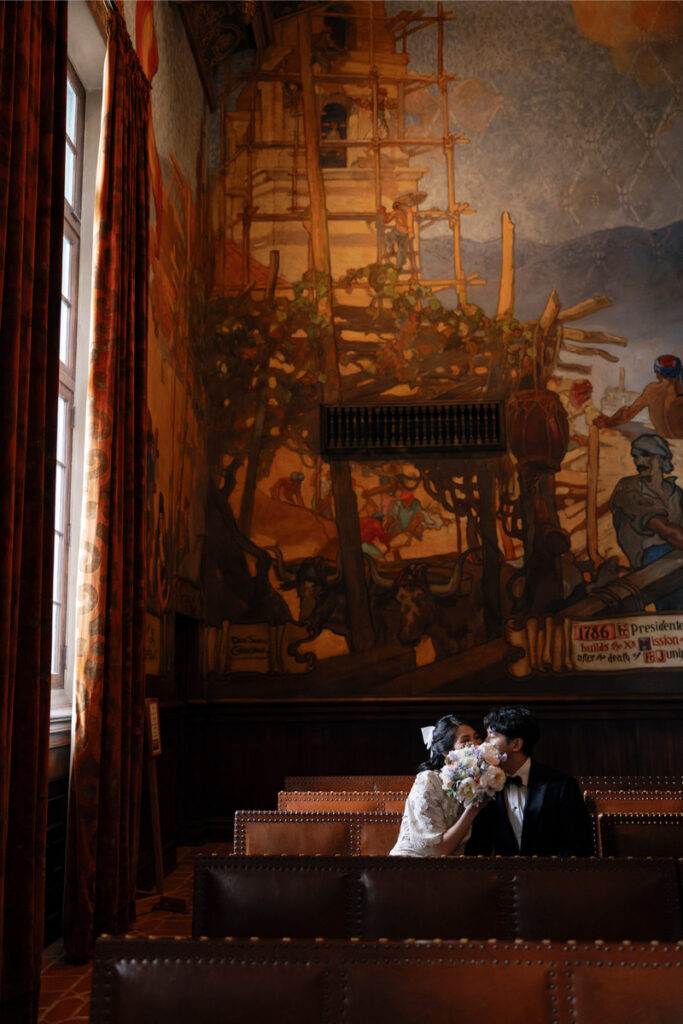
x=574 y=112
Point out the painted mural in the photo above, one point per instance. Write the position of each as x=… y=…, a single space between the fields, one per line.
x=180 y=276
x=463 y=201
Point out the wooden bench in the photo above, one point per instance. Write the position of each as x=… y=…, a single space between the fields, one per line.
x=322 y=833
x=352 y=783
x=598 y=801
x=641 y=801
x=402 y=783
x=613 y=783
x=178 y=981
x=445 y=897
x=380 y=801
x=640 y=835
x=351 y=833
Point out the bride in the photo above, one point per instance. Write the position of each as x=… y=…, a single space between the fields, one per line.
x=434 y=824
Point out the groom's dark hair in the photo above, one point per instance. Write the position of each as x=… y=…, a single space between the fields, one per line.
x=513 y=721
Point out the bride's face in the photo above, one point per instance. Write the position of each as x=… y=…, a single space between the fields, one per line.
x=465 y=734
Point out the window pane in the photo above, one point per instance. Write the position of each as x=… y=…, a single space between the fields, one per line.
x=57 y=574
x=60 y=511
x=56 y=639
x=62 y=408
x=69 y=175
x=71 y=105
x=67 y=248
x=64 y=333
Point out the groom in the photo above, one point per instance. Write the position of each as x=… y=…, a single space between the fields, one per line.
x=540 y=812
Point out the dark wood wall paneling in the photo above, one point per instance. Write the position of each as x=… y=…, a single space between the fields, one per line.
x=221 y=755
x=55 y=849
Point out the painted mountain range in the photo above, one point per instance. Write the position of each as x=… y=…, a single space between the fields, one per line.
x=641 y=272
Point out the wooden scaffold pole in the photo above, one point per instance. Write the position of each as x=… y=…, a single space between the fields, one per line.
x=374 y=84
x=449 y=141
x=506 y=291
x=346 y=508
x=249 y=192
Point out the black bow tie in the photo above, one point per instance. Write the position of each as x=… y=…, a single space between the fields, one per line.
x=514 y=780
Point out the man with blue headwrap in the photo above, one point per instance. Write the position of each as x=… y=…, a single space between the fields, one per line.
x=647 y=510
x=663 y=399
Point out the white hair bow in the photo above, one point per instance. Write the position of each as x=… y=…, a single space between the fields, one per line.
x=427 y=733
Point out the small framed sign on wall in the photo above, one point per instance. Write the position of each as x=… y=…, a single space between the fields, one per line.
x=153 y=728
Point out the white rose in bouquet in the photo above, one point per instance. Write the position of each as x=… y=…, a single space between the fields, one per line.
x=493 y=778
x=466 y=790
x=490 y=753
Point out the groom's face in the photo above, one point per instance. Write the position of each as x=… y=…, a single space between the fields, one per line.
x=511 y=747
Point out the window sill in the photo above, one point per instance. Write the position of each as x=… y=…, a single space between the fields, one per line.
x=60 y=715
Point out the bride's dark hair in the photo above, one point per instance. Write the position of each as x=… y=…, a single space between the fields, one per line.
x=442 y=741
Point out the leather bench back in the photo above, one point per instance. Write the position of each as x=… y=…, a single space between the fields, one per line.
x=340 y=800
x=614 y=783
x=324 y=833
x=351 y=783
x=423 y=898
x=634 y=801
x=640 y=835
x=145 y=980
x=399 y=783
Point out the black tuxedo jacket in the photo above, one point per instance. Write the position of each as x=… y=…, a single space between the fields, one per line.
x=556 y=821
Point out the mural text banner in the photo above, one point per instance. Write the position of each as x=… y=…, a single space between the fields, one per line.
x=604 y=645
x=595 y=645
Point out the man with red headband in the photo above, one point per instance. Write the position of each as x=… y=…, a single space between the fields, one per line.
x=663 y=399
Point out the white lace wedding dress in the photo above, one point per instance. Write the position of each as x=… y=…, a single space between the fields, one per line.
x=428 y=813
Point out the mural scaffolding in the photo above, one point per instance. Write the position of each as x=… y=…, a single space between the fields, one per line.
x=363 y=148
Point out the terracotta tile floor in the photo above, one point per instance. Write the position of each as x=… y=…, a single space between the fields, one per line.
x=65 y=987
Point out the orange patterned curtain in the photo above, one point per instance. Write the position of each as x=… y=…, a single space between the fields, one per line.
x=106 y=776
x=32 y=120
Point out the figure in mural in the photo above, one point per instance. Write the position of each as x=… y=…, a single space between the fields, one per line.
x=371 y=531
x=663 y=399
x=333 y=131
x=323 y=499
x=406 y=516
x=288 y=488
x=384 y=104
x=647 y=510
x=325 y=49
x=398 y=238
x=577 y=399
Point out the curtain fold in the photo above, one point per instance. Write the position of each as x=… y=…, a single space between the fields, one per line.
x=106 y=773
x=32 y=116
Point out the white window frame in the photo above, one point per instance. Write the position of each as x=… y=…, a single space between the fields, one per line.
x=86 y=51
x=67 y=380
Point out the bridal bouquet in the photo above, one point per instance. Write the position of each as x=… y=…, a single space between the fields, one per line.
x=472 y=774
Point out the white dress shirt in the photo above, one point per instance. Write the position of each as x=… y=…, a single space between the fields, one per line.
x=515 y=801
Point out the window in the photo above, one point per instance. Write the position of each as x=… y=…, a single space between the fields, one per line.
x=83 y=114
x=75 y=107
x=333 y=125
